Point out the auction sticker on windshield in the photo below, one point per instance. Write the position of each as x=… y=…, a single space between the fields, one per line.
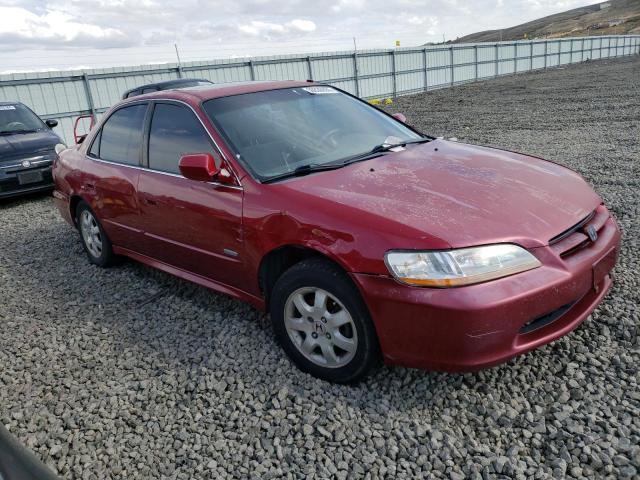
x=319 y=90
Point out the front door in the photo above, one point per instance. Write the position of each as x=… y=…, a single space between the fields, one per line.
x=194 y=226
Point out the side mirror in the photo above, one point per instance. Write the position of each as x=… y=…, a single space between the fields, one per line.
x=51 y=123
x=198 y=166
x=400 y=116
x=81 y=139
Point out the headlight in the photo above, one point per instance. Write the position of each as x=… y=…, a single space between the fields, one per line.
x=464 y=266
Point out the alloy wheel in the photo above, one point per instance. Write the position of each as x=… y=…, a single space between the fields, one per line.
x=320 y=327
x=91 y=233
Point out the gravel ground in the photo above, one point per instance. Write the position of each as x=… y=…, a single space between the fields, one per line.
x=130 y=373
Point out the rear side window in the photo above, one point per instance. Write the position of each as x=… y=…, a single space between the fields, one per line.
x=121 y=137
x=95 y=147
x=175 y=131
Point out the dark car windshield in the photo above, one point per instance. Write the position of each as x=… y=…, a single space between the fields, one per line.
x=17 y=118
x=278 y=131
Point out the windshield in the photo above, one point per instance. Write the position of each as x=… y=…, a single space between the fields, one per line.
x=279 y=131
x=18 y=118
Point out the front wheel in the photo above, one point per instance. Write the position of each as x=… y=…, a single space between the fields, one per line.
x=322 y=323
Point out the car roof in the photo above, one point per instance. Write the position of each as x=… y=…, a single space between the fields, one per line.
x=166 y=85
x=175 y=81
x=208 y=92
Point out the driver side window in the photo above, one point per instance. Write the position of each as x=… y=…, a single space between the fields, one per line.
x=175 y=131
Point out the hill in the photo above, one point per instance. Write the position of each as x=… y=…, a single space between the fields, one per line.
x=615 y=17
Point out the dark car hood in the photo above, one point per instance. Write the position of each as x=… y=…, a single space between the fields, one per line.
x=460 y=194
x=25 y=144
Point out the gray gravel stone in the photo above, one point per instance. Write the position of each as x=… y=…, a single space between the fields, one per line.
x=129 y=373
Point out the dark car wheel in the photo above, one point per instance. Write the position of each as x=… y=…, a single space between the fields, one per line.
x=322 y=323
x=94 y=239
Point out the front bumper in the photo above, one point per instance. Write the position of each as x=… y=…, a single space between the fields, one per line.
x=20 y=181
x=479 y=326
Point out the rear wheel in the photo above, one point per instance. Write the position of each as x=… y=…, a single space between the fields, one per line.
x=94 y=239
x=322 y=323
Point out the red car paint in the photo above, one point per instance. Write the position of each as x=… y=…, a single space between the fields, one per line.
x=438 y=195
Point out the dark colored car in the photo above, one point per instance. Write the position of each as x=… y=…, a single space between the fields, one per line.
x=364 y=239
x=27 y=149
x=18 y=463
x=166 y=85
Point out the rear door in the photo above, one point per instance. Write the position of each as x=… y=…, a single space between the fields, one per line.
x=194 y=226
x=110 y=181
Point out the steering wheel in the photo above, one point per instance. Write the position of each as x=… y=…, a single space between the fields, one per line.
x=13 y=125
x=329 y=138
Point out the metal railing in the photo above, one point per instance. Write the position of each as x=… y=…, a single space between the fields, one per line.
x=366 y=73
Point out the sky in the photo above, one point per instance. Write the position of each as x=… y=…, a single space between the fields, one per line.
x=63 y=34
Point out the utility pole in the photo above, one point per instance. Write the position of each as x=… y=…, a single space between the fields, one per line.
x=355 y=45
x=179 y=63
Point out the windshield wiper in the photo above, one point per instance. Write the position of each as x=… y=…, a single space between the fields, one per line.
x=315 y=167
x=383 y=147
x=305 y=170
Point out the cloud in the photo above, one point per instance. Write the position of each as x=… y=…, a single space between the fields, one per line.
x=346 y=5
x=257 y=28
x=302 y=25
x=19 y=26
x=207 y=29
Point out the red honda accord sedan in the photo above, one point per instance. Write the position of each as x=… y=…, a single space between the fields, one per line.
x=364 y=239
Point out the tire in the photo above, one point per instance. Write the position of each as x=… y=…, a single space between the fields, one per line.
x=95 y=241
x=309 y=336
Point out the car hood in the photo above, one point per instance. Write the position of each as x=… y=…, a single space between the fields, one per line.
x=454 y=193
x=25 y=144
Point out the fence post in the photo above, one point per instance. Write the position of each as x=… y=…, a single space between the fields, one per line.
x=475 y=60
x=393 y=71
x=559 y=51
x=252 y=70
x=497 y=69
x=451 y=62
x=515 y=58
x=87 y=91
x=355 y=71
x=571 y=55
x=426 y=76
x=546 y=44
x=309 y=67
x=531 y=55
x=582 y=51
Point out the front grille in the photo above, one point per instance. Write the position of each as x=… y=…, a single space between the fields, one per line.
x=547 y=319
x=15 y=165
x=575 y=238
x=572 y=229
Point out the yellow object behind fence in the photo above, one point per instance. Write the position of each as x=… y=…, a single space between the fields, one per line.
x=381 y=101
